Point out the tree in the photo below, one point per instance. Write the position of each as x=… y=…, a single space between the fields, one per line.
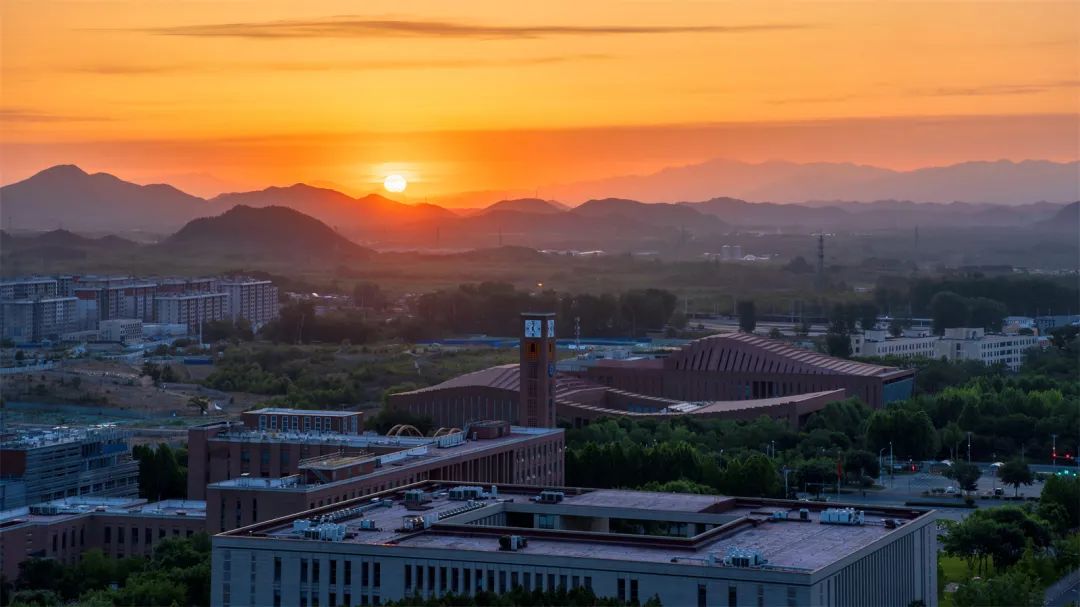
x=838 y=344
x=948 y=310
x=1015 y=589
x=909 y=430
x=868 y=313
x=986 y=313
x=199 y=402
x=861 y=462
x=1063 y=491
x=775 y=333
x=747 y=316
x=151 y=370
x=965 y=474
x=1016 y=473
x=798 y=265
x=167 y=374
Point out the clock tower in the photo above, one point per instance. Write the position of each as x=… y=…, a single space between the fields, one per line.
x=536 y=407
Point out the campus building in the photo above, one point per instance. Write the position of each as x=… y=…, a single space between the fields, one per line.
x=64 y=529
x=731 y=376
x=955 y=344
x=254 y=300
x=247 y=475
x=38 y=319
x=40 y=466
x=308 y=421
x=191 y=309
x=437 y=538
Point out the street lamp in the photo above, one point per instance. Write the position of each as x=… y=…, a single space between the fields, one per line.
x=969 y=447
x=880 y=467
x=1053 y=452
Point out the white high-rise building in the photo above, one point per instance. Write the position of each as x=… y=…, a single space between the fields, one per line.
x=254 y=300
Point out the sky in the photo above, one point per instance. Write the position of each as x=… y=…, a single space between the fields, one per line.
x=486 y=95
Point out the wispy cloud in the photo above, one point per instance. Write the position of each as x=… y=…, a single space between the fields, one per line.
x=982 y=90
x=357 y=27
x=990 y=90
x=25 y=115
x=118 y=69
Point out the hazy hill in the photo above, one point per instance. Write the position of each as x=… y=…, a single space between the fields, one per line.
x=67 y=196
x=59 y=245
x=1001 y=182
x=1067 y=218
x=657 y=214
x=266 y=232
x=527 y=205
x=333 y=207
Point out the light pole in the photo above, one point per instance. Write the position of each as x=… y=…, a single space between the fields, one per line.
x=1053 y=452
x=785 y=471
x=880 y=467
x=892 y=466
x=969 y=447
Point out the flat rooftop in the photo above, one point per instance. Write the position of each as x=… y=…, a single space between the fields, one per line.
x=314 y=412
x=74 y=507
x=414 y=451
x=705 y=527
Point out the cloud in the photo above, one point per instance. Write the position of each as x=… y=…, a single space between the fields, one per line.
x=27 y=115
x=981 y=90
x=112 y=69
x=993 y=90
x=355 y=27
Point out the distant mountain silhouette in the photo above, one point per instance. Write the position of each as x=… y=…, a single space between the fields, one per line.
x=266 y=232
x=526 y=205
x=59 y=245
x=334 y=208
x=1066 y=219
x=1001 y=182
x=67 y=196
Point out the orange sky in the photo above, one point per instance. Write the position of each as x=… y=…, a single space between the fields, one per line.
x=486 y=95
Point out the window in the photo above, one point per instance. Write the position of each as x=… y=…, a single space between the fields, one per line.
x=761 y=595
x=303 y=571
x=147 y=535
x=575 y=581
x=119 y=535
x=732 y=596
x=315 y=571
x=333 y=571
x=791 y=596
x=108 y=534
x=702 y=595
x=621 y=594
x=348 y=575
x=562 y=582
x=277 y=568
x=377 y=575
x=408 y=576
x=514 y=579
x=442 y=579
x=588 y=582
x=454 y=580
x=364 y=574
x=466 y=583
x=502 y=582
x=633 y=591
x=135 y=535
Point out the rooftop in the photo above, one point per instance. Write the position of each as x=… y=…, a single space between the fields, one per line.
x=413 y=451
x=33 y=439
x=287 y=411
x=74 y=507
x=690 y=530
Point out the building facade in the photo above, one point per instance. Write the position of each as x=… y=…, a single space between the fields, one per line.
x=38 y=319
x=64 y=529
x=253 y=300
x=955 y=344
x=307 y=421
x=433 y=539
x=191 y=309
x=40 y=466
x=125 y=330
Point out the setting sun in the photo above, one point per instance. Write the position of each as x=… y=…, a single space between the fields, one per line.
x=395 y=183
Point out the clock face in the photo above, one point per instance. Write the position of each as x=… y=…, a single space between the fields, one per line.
x=532 y=328
x=551 y=329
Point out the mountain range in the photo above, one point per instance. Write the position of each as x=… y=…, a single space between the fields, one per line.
x=69 y=198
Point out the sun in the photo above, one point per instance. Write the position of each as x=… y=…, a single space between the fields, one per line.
x=395 y=183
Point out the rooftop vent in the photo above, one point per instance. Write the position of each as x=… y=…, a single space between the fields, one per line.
x=743 y=557
x=549 y=497
x=842 y=516
x=512 y=543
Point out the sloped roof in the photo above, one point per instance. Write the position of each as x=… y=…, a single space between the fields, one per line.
x=745 y=352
